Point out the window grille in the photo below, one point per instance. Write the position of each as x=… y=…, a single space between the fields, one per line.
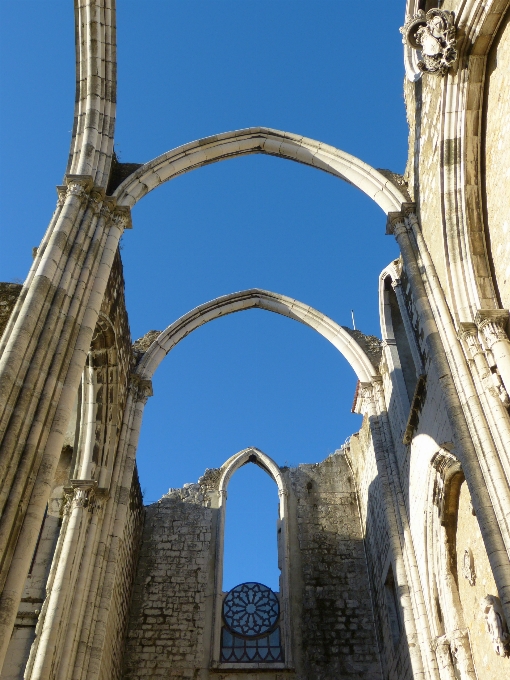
x=251 y=630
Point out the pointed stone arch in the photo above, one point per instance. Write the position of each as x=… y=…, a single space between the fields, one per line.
x=262 y=299
x=227 y=470
x=250 y=455
x=267 y=141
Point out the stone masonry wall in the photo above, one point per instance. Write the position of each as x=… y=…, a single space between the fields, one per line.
x=495 y=158
x=337 y=624
x=166 y=626
x=332 y=623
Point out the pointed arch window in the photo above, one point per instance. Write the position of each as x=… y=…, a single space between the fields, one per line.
x=251 y=621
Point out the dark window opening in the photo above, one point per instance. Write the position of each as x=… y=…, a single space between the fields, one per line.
x=402 y=341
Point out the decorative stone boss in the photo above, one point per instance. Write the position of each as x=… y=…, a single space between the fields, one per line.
x=433 y=34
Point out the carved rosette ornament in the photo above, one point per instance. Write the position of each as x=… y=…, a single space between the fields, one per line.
x=496 y=624
x=433 y=35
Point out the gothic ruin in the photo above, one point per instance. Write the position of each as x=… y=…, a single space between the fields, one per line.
x=394 y=552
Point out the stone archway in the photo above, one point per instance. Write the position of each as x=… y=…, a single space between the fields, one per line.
x=378 y=187
x=255 y=298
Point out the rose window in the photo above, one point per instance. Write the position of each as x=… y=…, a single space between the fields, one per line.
x=251 y=613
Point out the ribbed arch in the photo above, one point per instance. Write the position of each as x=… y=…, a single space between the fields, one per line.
x=261 y=299
x=265 y=141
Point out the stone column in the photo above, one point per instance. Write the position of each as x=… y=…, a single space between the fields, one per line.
x=471 y=432
x=397 y=541
x=492 y=393
x=63 y=582
x=441 y=646
x=492 y=323
x=60 y=379
x=408 y=552
x=88 y=660
x=491 y=381
x=461 y=650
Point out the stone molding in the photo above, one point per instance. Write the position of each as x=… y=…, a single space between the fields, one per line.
x=257 y=298
x=262 y=140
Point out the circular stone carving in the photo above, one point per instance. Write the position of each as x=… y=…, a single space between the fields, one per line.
x=251 y=609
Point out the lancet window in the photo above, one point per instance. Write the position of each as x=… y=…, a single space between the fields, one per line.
x=251 y=620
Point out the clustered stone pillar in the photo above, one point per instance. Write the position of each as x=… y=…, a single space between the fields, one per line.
x=419 y=651
x=476 y=450
x=492 y=393
x=41 y=367
x=60 y=596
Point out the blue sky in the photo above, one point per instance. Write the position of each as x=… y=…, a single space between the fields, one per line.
x=332 y=71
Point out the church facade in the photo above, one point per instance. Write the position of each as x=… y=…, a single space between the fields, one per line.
x=394 y=552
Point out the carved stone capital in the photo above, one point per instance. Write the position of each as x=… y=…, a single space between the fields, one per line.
x=433 y=35
x=468 y=332
x=395 y=224
x=61 y=194
x=79 y=185
x=80 y=493
x=492 y=323
x=141 y=387
x=122 y=217
x=411 y=216
x=97 y=196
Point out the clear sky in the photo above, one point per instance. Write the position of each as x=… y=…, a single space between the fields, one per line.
x=329 y=70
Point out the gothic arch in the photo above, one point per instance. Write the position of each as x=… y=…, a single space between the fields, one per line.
x=228 y=469
x=262 y=299
x=266 y=141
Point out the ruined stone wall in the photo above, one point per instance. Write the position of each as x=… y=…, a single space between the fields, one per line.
x=336 y=620
x=332 y=625
x=496 y=137
x=168 y=609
